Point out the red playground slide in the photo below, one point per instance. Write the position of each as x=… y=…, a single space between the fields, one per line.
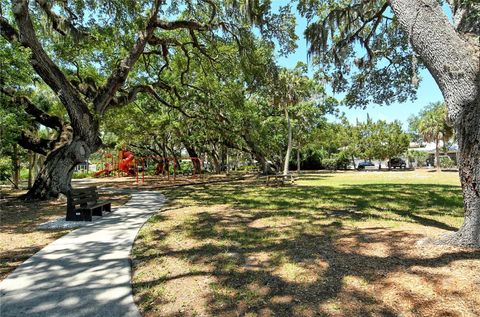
x=125 y=164
x=106 y=170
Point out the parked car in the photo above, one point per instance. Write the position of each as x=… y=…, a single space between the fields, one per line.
x=362 y=165
x=396 y=162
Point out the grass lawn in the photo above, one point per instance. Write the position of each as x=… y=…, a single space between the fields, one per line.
x=334 y=244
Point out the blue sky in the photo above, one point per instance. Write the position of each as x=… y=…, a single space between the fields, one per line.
x=428 y=90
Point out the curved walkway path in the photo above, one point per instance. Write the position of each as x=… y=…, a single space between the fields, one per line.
x=84 y=273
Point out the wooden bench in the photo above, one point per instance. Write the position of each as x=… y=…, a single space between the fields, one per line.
x=83 y=203
x=280 y=179
x=371 y=168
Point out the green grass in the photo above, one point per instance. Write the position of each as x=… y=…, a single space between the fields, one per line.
x=322 y=246
x=428 y=198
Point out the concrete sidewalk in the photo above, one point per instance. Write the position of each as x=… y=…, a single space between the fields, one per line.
x=86 y=272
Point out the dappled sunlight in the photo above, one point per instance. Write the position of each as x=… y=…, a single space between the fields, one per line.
x=20 y=236
x=245 y=249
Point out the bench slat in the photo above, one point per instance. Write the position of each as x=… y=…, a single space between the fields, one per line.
x=87 y=201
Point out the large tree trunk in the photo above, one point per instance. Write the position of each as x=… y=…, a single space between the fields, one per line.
x=289 y=144
x=454 y=63
x=193 y=156
x=469 y=170
x=56 y=173
x=216 y=164
x=223 y=158
x=262 y=162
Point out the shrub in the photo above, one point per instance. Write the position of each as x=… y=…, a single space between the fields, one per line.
x=78 y=175
x=329 y=163
x=5 y=168
x=418 y=156
x=342 y=160
x=24 y=173
x=446 y=162
x=186 y=167
x=311 y=159
x=247 y=168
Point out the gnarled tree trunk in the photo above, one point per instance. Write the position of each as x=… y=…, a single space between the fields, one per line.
x=85 y=106
x=469 y=170
x=56 y=173
x=216 y=164
x=453 y=59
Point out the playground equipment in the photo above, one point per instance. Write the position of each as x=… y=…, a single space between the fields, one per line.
x=106 y=170
x=125 y=164
x=164 y=163
x=129 y=165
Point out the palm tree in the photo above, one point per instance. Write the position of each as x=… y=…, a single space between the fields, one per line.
x=293 y=87
x=433 y=127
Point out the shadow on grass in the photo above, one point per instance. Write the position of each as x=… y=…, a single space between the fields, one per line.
x=415 y=203
x=247 y=254
x=244 y=287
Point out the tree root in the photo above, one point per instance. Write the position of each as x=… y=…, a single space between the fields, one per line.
x=450 y=239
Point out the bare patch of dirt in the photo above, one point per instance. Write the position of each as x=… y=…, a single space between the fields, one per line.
x=19 y=236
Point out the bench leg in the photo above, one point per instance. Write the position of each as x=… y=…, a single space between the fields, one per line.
x=79 y=215
x=98 y=211
x=107 y=208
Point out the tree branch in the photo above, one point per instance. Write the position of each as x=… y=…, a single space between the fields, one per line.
x=120 y=74
x=451 y=59
x=181 y=24
x=39 y=115
x=35 y=144
x=59 y=23
x=77 y=110
x=7 y=31
x=149 y=89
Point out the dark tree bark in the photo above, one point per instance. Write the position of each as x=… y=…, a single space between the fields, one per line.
x=193 y=156
x=77 y=140
x=223 y=158
x=453 y=59
x=56 y=173
x=216 y=162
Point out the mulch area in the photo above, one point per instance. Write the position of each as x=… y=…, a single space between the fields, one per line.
x=19 y=236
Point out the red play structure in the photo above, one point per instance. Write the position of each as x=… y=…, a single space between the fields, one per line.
x=125 y=164
x=128 y=165
x=164 y=163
